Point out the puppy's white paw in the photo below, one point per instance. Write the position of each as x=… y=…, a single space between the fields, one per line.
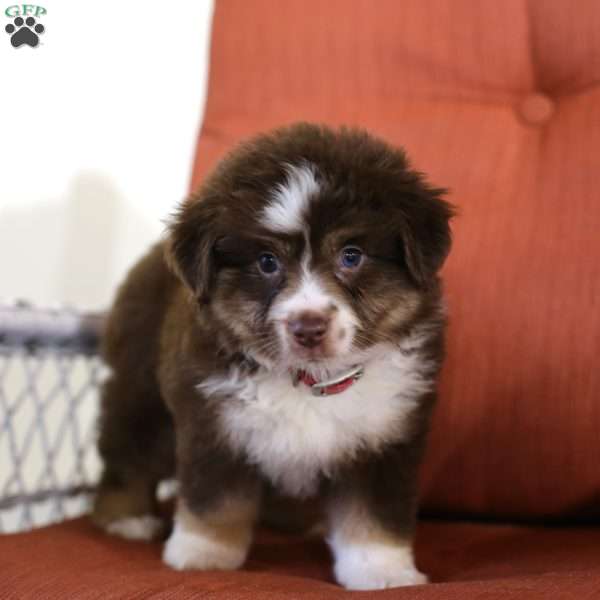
x=376 y=567
x=195 y=550
x=144 y=527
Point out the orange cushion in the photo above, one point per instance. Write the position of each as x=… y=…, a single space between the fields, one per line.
x=74 y=560
x=499 y=101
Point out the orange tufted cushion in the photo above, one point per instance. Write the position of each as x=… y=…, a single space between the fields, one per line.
x=465 y=561
x=500 y=101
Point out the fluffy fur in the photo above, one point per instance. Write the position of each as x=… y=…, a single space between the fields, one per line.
x=308 y=251
x=313 y=436
x=286 y=211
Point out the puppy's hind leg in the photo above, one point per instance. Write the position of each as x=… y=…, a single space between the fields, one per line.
x=136 y=445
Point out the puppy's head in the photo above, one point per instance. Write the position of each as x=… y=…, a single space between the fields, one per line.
x=311 y=246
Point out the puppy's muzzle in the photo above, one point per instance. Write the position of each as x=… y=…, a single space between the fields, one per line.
x=308 y=328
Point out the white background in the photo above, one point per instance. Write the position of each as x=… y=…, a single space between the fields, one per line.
x=97 y=133
x=98 y=127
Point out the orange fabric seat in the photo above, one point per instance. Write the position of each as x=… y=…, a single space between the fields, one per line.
x=500 y=102
x=75 y=560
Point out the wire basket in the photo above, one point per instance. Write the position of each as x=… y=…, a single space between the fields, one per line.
x=50 y=375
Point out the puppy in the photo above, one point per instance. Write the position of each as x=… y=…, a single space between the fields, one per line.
x=283 y=342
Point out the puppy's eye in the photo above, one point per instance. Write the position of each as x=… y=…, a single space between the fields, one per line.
x=351 y=257
x=268 y=263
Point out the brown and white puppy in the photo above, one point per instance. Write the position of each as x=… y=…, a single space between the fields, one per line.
x=284 y=342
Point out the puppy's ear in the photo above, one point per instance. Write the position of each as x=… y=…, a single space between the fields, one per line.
x=192 y=234
x=426 y=235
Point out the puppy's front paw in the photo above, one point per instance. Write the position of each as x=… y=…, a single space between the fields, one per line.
x=376 y=567
x=196 y=550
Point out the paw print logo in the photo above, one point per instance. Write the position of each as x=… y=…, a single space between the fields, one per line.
x=24 y=32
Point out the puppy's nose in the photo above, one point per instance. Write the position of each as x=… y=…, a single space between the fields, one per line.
x=308 y=328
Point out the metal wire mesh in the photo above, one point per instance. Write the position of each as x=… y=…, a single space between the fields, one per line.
x=49 y=379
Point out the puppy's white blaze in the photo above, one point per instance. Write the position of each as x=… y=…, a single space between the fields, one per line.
x=285 y=213
x=310 y=295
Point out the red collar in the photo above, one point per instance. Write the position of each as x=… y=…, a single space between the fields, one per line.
x=336 y=385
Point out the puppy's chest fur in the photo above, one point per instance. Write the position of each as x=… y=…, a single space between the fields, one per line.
x=295 y=438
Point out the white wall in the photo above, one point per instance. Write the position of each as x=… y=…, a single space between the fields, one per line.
x=97 y=132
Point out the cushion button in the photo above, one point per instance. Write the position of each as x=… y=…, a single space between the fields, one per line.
x=536 y=109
